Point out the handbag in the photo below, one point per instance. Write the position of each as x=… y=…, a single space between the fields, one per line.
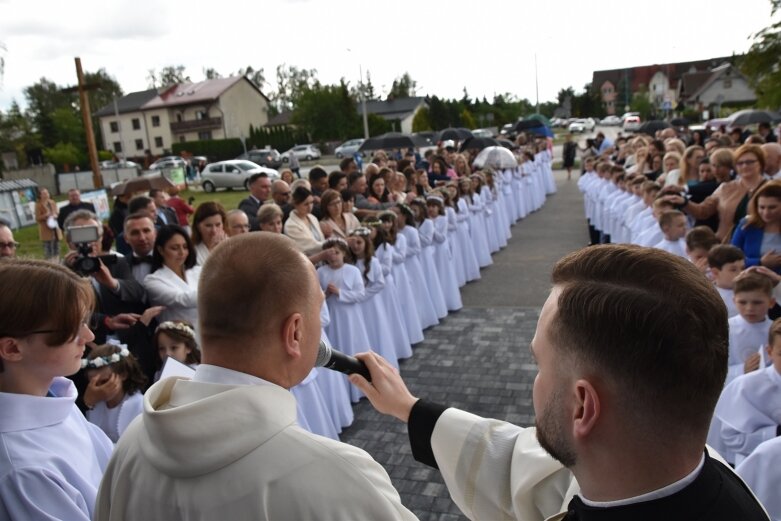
x=51 y=222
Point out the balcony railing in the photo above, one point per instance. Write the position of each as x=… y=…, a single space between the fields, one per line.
x=196 y=125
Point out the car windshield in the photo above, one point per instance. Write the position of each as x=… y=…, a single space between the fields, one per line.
x=246 y=165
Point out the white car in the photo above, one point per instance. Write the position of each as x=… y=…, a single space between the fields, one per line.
x=306 y=152
x=611 y=121
x=167 y=162
x=577 y=126
x=348 y=148
x=234 y=173
x=589 y=124
x=631 y=123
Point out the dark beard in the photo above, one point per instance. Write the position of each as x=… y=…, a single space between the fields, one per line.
x=550 y=434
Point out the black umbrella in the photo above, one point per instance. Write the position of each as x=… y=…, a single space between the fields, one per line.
x=749 y=116
x=680 y=122
x=507 y=144
x=478 y=143
x=526 y=124
x=388 y=140
x=425 y=139
x=650 y=127
x=456 y=134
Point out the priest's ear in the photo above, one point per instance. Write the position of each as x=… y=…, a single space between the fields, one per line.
x=292 y=333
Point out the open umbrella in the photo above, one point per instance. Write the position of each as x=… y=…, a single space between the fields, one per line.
x=542 y=119
x=526 y=124
x=541 y=131
x=478 y=143
x=142 y=184
x=388 y=140
x=650 y=127
x=680 y=122
x=456 y=134
x=507 y=144
x=750 y=116
x=497 y=158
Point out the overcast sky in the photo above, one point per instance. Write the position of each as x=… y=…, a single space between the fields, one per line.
x=487 y=47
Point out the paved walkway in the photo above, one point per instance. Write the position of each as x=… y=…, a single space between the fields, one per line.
x=478 y=359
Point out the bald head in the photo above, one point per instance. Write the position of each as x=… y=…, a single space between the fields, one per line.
x=280 y=192
x=772 y=158
x=267 y=274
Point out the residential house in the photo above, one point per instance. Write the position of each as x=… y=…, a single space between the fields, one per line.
x=155 y=119
x=400 y=111
x=724 y=85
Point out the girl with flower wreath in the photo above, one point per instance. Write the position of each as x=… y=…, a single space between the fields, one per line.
x=114 y=414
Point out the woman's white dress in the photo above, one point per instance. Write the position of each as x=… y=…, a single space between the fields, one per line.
x=333 y=384
x=445 y=266
x=478 y=232
x=420 y=286
x=375 y=315
x=312 y=410
x=426 y=234
x=401 y=343
x=113 y=421
x=455 y=245
x=347 y=329
x=490 y=219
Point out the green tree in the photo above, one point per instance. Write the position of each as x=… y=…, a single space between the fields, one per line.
x=762 y=63
x=168 y=75
x=256 y=76
x=368 y=87
x=64 y=155
x=18 y=134
x=43 y=99
x=421 y=122
x=291 y=83
x=467 y=120
x=104 y=89
x=641 y=103
x=403 y=87
x=211 y=73
x=327 y=112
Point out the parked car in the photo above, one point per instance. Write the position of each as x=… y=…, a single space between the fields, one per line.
x=482 y=132
x=577 y=126
x=589 y=123
x=631 y=123
x=110 y=165
x=348 y=148
x=233 y=173
x=306 y=152
x=611 y=121
x=268 y=157
x=627 y=114
x=167 y=162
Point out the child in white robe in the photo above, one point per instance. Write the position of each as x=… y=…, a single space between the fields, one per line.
x=467 y=246
x=114 y=413
x=420 y=286
x=748 y=331
x=673 y=226
x=426 y=235
x=51 y=458
x=344 y=290
x=699 y=242
x=750 y=406
x=176 y=339
x=762 y=473
x=332 y=383
x=476 y=223
x=726 y=262
x=442 y=258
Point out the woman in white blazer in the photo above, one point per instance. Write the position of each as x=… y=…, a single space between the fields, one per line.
x=173 y=282
x=302 y=226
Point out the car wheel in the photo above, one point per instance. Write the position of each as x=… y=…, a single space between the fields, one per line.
x=246 y=185
x=339 y=155
x=208 y=186
x=284 y=159
x=308 y=157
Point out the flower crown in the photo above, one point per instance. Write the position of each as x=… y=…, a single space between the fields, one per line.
x=333 y=241
x=361 y=231
x=102 y=361
x=177 y=326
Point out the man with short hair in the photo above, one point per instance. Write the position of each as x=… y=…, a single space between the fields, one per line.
x=7 y=243
x=140 y=235
x=772 y=160
x=348 y=165
x=631 y=349
x=226 y=443
x=764 y=130
x=74 y=203
x=236 y=222
x=259 y=188
x=165 y=215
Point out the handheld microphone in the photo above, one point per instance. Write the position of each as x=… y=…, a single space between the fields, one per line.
x=338 y=361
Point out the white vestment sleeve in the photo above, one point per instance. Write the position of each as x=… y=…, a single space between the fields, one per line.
x=37 y=494
x=496 y=470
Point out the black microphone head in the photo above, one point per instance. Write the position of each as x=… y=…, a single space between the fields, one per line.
x=323 y=354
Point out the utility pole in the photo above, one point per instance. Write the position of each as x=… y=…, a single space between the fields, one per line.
x=363 y=105
x=97 y=179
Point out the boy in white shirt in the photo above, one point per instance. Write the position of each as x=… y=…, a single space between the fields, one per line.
x=652 y=235
x=699 y=241
x=726 y=262
x=673 y=226
x=750 y=407
x=749 y=330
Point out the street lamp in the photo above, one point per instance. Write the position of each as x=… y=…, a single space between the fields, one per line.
x=363 y=100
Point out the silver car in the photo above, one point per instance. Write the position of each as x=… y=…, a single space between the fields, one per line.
x=234 y=173
x=302 y=152
x=348 y=148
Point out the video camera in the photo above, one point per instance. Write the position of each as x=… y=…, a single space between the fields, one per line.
x=82 y=237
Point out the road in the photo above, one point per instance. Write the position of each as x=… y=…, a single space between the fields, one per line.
x=478 y=358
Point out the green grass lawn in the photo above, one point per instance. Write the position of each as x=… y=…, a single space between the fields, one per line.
x=31 y=246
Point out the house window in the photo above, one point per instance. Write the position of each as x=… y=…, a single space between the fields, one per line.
x=117 y=147
x=159 y=142
x=179 y=118
x=205 y=136
x=155 y=121
x=114 y=125
x=139 y=144
x=136 y=124
x=200 y=114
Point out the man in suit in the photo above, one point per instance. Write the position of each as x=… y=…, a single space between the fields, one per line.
x=165 y=215
x=260 y=188
x=631 y=350
x=226 y=443
x=74 y=203
x=140 y=234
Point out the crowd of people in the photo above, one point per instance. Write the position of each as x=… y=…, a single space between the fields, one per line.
x=391 y=251
x=716 y=203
